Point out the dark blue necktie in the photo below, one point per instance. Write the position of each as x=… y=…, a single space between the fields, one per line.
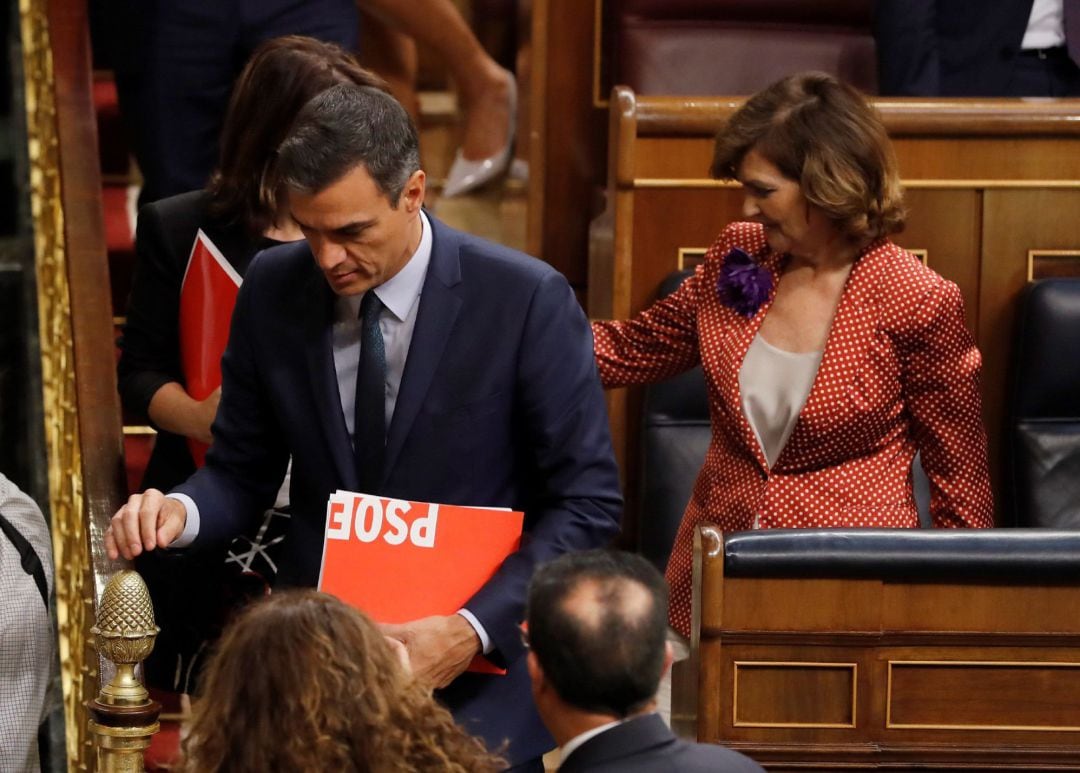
x=369 y=433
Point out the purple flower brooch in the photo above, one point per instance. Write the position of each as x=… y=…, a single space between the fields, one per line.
x=744 y=285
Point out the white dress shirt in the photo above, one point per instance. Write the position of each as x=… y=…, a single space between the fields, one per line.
x=1046 y=25
x=400 y=296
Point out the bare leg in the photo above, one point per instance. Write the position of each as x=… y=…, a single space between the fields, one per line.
x=483 y=86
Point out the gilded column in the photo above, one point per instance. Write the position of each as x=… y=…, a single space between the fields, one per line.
x=74 y=578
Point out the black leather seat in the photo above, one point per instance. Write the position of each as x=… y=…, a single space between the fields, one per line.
x=1044 y=455
x=675 y=436
x=1034 y=555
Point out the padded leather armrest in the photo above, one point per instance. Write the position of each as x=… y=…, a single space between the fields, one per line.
x=933 y=554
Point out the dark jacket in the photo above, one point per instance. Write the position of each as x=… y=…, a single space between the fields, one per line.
x=645 y=744
x=500 y=405
x=150 y=343
x=948 y=47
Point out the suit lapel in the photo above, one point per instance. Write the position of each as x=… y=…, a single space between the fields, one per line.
x=440 y=304
x=855 y=319
x=318 y=348
x=849 y=336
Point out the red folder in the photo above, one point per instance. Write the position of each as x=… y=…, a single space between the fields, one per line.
x=400 y=561
x=207 y=297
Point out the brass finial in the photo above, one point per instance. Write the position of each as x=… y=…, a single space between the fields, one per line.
x=125 y=634
x=124 y=717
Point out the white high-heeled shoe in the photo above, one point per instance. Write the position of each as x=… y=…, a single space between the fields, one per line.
x=466 y=175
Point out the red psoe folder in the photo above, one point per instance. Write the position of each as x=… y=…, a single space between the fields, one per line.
x=399 y=561
x=207 y=297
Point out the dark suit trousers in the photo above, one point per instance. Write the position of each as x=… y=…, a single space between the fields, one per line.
x=175 y=63
x=1043 y=75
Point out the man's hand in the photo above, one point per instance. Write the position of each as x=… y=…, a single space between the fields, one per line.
x=146 y=522
x=439 y=648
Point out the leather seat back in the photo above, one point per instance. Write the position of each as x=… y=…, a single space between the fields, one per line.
x=728 y=47
x=675 y=436
x=1044 y=457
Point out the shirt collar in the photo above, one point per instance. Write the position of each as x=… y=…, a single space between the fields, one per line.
x=400 y=291
x=574 y=743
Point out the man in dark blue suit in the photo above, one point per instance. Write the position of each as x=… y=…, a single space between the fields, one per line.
x=956 y=48
x=597 y=627
x=479 y=362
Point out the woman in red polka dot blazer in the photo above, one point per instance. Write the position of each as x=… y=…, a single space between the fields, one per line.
x=831 y=355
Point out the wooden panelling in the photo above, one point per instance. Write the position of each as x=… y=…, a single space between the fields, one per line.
x=983 y=695
x=828 y=674
x=680 y=158
x=776 y=604
x=946 y=224
x=701 y=215
x=793 y=694
x=691 y=257
x=948 y=163
x=1046 y=264
x=819 y=694
x=566 y=137
x=987 y=158
x=972 y=607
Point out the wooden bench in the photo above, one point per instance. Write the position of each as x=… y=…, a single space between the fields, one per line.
x=910 y=649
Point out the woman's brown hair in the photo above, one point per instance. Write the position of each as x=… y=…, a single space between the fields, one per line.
x=282 y=75
x=301 y=681
x=824 y=135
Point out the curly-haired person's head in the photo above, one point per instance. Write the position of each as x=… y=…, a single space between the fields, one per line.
x=301 y=681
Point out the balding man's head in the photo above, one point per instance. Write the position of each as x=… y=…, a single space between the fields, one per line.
x=597 y=623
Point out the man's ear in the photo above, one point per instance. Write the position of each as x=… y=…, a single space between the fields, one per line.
x=536 y=671
x=412 y=195
x=669 y=658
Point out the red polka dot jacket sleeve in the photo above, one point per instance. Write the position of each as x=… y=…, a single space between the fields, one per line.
x=899 y=374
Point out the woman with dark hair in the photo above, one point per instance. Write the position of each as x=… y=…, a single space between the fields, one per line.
x=300 y=681
x=238 y=214
x=831 y=355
